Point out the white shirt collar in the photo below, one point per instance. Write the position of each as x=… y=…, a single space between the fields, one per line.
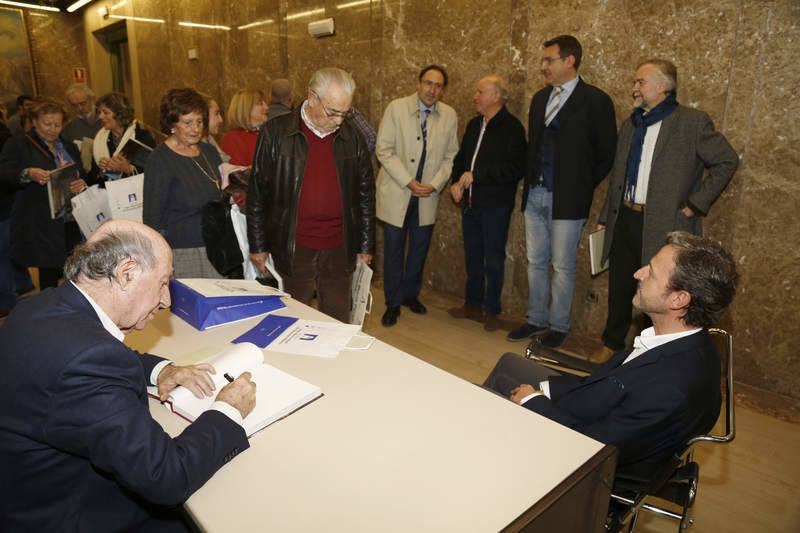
x=423 y=107
x=649 y=340
x=310 y=124
x=105 y=320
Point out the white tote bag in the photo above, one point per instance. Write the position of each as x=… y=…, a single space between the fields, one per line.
x=125 y=197
x=361 y=297
x=90 y=209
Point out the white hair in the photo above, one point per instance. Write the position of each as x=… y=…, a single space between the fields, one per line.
x=322 y=79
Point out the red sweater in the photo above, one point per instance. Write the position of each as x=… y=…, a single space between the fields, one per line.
x=240 y=145
x=320 y=225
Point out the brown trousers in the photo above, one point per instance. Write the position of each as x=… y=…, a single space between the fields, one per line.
x=325 y=270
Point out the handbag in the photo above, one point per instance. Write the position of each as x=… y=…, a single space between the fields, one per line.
x=222 y=247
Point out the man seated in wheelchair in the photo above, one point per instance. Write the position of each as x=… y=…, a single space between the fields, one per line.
x=650 y=400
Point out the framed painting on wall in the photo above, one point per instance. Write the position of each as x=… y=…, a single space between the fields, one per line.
x=16 y=66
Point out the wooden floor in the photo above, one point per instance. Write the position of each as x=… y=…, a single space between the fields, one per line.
x=750 y=485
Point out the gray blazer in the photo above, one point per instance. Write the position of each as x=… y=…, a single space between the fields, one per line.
x=687 y=145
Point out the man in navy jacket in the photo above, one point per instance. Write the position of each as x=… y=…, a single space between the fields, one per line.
x=648 y=401
x=572 y=134
x=79 y=450
x=485 y=173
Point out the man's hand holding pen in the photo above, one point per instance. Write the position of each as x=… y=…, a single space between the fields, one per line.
x=239 y=393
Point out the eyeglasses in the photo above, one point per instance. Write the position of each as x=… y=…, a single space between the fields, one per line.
x=550 y=60
x=344 y=115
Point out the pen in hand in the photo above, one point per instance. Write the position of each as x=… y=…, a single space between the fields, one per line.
x=228 y=377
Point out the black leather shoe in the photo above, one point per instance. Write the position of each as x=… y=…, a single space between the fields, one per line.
x=553 y=339
x=390 y=316
x=415 y=306
x=525 y=331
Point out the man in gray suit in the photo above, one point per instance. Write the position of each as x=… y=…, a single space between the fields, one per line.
x=658 y=184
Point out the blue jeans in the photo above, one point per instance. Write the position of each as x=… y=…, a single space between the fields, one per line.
x=485 y=236
x=547 y=241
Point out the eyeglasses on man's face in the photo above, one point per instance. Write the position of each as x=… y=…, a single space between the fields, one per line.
x=344 y=115
x=550 y=60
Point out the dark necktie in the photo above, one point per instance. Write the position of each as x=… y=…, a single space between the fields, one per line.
x=421 y=166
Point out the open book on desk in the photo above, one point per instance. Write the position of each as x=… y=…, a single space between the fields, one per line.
x=277 y=393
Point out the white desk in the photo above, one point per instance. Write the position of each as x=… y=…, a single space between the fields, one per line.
x=395 y=444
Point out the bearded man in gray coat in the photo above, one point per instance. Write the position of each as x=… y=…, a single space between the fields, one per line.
x=670 y=166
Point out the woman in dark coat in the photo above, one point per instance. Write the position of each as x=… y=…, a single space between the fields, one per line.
x=26 y=161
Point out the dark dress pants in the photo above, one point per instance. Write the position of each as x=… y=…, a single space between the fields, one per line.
x=513 y=370
x=325 y=270
x=402 y=279
x=625 y=258
x=485 y=235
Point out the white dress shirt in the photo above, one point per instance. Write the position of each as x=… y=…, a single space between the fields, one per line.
x=643 y=176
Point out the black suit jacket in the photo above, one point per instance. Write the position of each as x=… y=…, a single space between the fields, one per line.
x=79 y=450
x=500 y=162
x=648 y=408
x=585 y=145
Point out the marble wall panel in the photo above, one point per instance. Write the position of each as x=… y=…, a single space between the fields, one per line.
x=57 y=45
x=736 y=61
x=765 y=231
x=250 y=53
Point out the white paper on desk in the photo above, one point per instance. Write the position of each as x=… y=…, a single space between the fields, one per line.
x=320 y=339
x=212 y=288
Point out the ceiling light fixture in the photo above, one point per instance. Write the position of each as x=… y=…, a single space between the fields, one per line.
x=353 y=4
x=293 y=16
x=29 y=6
x=207 y=26
x=77 y=5
x=254 y=24
x=137 y=19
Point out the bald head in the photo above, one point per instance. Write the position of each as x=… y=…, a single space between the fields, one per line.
x=112 y=243
x=281 y=92
x=490 y=96
x=125 y=268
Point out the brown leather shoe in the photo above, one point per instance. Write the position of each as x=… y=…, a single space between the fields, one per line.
x=602 y=355
x=492 y=322
x=472 y=312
